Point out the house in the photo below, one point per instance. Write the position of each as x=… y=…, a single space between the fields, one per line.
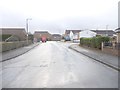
x=56 y=37
x=118 y=34
x=14 y=34
x=39 y=34
x=73 y=34
x=109 y=33
x=87 y=34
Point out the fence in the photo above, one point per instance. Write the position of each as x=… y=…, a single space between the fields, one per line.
x=112 y=45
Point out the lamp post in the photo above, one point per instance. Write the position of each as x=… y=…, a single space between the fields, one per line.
x=27 y=27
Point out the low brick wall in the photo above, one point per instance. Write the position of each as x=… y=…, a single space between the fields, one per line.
x=111 y=51
x=6 y=46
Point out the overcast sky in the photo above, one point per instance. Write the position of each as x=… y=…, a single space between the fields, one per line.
x=58 y=15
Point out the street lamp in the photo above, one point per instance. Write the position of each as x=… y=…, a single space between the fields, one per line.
x=27 y=27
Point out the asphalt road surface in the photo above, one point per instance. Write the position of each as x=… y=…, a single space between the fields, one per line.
x=54 y=65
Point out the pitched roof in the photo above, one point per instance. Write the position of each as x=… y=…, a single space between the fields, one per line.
x=117 y=30
x=109 y=32
x=20 y=32
x=12 y=28
x=56 y=35
x=41 y=32
x=74 y=31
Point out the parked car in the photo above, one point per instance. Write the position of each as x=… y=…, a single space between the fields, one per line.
x=76 y=41
x=67 y=38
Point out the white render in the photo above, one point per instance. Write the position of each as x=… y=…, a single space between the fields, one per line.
x=87 y=34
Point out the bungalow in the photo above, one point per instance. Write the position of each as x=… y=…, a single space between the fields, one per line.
x=109 y=33
x=13 y=34
x=87 y=34
x=39 y=34
x=73 y=34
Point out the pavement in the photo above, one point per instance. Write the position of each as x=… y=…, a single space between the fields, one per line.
x=98 y=55
x=17 y=52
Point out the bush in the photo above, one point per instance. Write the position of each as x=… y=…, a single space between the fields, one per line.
x=94 y=42
x=5 y=36
x=6 y=46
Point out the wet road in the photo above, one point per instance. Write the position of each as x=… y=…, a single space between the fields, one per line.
x=54 y=65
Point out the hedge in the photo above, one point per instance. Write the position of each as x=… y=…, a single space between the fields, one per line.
x=4 y=37
x=94 y=42
x=6 y=46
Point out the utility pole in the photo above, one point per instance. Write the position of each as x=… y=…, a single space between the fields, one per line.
x=106 y=30
x=27 y=28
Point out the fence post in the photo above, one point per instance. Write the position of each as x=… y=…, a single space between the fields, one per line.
x=102 y=45
x=113 y=45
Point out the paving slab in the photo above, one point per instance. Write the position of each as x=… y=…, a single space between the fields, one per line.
x=98 y=55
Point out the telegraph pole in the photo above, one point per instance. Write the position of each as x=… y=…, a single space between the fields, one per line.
x=27 y=28
x=106 y=30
